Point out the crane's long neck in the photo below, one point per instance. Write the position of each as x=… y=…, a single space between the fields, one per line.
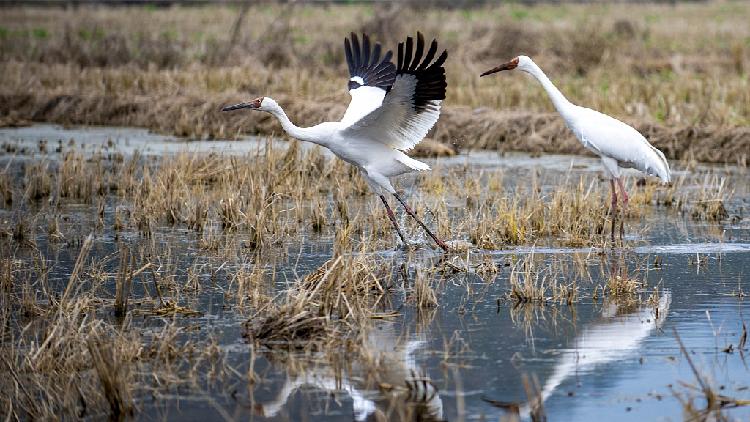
x=308 y=134
x=563 y=106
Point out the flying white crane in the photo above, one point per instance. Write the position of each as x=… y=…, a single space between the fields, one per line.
x=392 y=109
x=616 y=143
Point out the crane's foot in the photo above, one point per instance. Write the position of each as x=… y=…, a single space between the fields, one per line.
x=409 y=211
x=441 y=244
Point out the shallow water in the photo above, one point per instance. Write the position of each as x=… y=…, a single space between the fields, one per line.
x=592 y=358
x=124 y=140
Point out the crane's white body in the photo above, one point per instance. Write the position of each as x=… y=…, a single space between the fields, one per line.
x=363 y=139
x=618 y=144
x=391 y=111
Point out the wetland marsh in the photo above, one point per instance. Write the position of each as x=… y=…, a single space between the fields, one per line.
x=188 y=264
x=284 y=297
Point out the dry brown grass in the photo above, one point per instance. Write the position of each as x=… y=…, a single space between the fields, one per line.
x=677 y=73
x=573 y=216
x=64 y=355
x=532 y=281
x=275 y=194
x=702 y=400
x=324 y=310
x=60 y=337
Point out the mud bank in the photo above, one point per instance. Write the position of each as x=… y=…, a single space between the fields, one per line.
x=459 y=127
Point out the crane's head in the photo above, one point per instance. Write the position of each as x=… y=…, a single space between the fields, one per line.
x=520 y=62
x=260 y=103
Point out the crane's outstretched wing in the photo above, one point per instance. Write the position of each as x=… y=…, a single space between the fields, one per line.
x=371 y=77
x=412 y=105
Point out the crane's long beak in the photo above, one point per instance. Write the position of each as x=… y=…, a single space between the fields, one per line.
x=249 y=104
x=505 y=66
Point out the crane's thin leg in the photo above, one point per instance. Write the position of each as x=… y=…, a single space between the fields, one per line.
x=623 y=194
x=392 y=217
x=409 y=211
x=614 y=196
x=614 y=207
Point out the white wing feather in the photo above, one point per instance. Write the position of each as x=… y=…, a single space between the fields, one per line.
x=396 y=123
x=365 y=99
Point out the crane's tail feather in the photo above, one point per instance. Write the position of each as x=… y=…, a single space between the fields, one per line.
x=665 y=174
x=412 y=163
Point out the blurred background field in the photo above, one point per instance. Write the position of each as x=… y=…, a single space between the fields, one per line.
x=679 y=72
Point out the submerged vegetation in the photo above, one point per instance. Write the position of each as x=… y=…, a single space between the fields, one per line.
x=277 y=192
x=106 y=259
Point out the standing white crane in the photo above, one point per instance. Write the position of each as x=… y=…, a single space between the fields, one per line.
x=392 y=109
x=616 y=143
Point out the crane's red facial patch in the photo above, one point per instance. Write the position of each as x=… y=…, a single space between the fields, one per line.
x=505 y=66
x=257 y=102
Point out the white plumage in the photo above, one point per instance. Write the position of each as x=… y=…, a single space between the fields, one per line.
x=391 y=111
x=365 y=100
x=395 y=123
x=616 y=143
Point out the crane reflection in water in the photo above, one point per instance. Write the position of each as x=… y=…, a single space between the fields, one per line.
x=383 y=382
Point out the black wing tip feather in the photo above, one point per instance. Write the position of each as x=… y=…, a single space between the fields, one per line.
x=411 y=64
x=365 y=62
x=431 y=84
